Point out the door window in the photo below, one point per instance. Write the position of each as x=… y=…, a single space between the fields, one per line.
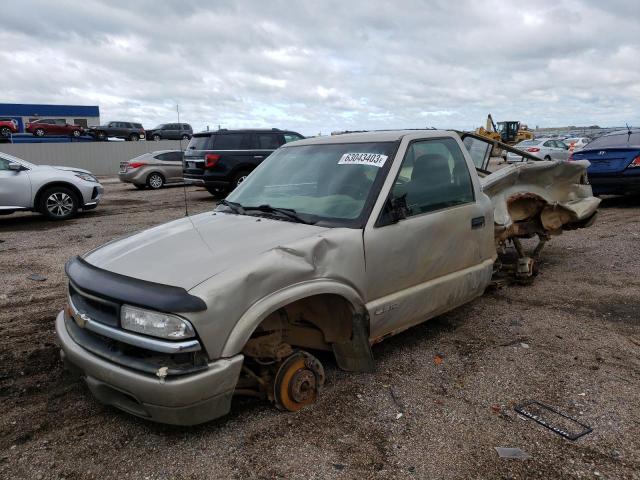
x=268 y=141
x=479 y=151
x=4 y=164
x=548 y=144
x=433 y=175
x=233 y=141
x=290 y=137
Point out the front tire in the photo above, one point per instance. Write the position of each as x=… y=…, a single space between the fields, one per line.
x=76 y=133
x=155 y=181
x=102 y=136
x=134 y=137
x=156 y=137
x=5 y=132
x=58 y=203
x=185 y=137
x=39 y=132
x=547 y=158
x=217 y=193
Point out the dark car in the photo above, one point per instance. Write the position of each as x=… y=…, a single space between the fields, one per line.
x=170 y=131
x=615 y=162
x=53 y=126
x=222 y=159
x=126 y=130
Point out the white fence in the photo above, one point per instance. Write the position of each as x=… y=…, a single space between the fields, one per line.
x=101 y=158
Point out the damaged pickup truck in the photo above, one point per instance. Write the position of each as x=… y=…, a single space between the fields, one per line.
x=333 y=243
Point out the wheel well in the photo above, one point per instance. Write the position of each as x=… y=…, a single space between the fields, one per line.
x=70 y=186
x=164 y=179
x=314 y=322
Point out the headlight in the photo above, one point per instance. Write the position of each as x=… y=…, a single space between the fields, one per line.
x=86 y=176
x=156 y=324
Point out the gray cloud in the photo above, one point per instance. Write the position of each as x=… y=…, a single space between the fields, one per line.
x=321 y=66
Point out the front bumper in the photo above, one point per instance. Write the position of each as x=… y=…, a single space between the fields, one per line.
x=180 y=400
x=92 y=196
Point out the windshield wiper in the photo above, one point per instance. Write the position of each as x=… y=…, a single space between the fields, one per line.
x=234 y=206
x=287 y=212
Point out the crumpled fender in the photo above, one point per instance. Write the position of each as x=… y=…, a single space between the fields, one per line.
x=264 y=307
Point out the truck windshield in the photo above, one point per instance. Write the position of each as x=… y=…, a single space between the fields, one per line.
x=329 y=182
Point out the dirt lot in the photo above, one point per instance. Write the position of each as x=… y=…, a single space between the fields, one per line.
x=572 y=340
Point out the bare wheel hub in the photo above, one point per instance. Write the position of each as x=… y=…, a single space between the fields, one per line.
x=303 y=386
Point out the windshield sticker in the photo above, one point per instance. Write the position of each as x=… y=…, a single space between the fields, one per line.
x=373 y=159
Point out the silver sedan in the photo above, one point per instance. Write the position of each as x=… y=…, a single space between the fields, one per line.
x=543 y=148
x=56 y=192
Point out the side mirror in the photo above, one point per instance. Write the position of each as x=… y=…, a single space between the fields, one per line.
x=15 y=167
x=399 y=208
x=395 y=209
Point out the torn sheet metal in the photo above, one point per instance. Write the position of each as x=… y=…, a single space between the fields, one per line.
x=557 y=193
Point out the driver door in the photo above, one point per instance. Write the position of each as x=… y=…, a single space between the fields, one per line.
x=15 y=187
x=439 y=256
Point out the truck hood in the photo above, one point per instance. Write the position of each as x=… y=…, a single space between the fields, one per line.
x=186 y=252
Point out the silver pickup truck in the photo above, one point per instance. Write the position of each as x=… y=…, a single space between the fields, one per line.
x=333 y=243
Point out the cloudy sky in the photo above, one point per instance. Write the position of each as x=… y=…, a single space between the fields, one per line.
x=317 y=66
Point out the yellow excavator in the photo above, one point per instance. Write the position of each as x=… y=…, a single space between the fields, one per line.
x=509 y=132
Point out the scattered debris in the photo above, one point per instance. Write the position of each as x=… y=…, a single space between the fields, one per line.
x=37 y=277
x=399 y=416
x=524 y=345
x=554 y=420
x=339 y=466
x=396 y=399
x=504 y=452
x=437 y=359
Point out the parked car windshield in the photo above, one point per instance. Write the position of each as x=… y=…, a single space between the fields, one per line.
x=320 y=182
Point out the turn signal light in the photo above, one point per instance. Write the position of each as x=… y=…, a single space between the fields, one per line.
x=137 y=164
x=533 y=149
x=635 y=162
x=210 y=160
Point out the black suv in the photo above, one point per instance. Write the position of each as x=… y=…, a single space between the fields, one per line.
x=222 y=159
x=170 y=131
x=127 y=130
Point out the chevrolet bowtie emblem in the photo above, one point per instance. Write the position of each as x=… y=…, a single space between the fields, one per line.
x=82 y=319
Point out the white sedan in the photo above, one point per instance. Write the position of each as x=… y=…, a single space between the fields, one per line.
x=543 y=148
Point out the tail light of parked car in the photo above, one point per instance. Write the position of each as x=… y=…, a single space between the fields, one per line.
x=533 y=149
x=635 y=162
x=210 y=160
x=133 y=165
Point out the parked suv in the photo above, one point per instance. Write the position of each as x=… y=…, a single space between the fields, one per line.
x=170 y=131
x=53 y=126
x=56 y=192
x=221 y=160
x=8 y=126
x=153 y=169
x=127 y=130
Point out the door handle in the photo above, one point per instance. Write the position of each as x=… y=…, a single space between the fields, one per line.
x=258 y=156
x=477 y=222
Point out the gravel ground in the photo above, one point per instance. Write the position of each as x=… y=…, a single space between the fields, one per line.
x=571 y=340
